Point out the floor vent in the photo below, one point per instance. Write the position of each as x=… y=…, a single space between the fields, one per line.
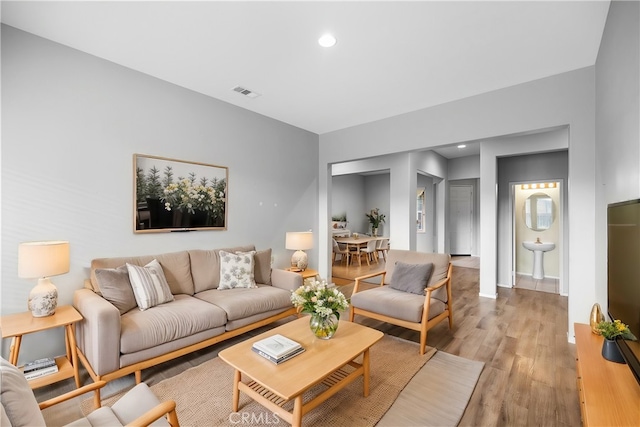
x=246 y=92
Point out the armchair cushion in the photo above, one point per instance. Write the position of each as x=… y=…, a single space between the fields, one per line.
x=18 y=402
x=411 y=278
x=135 y=402
x=394 y=303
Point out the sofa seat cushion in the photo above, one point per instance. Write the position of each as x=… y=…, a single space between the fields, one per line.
x=182 y=317
x=239 y=303
x=397 y=304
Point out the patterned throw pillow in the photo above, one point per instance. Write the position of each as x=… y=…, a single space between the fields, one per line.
x=236 y=270
x=149 y=285
x=261 y=266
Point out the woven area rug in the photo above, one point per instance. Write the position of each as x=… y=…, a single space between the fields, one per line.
x=203 y=393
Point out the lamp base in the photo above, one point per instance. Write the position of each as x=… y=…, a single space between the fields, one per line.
x=300 y=260
x=43 y=298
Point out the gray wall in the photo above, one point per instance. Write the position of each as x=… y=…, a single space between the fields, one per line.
x=356 y=195
x=71 y=123
x=617 y=121
x=348 y=197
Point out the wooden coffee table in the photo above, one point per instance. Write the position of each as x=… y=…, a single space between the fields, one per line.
x=322 y=361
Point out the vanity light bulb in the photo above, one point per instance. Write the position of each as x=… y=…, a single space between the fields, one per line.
x=327 y=40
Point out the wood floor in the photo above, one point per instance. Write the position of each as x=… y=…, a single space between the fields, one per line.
x=529 y=374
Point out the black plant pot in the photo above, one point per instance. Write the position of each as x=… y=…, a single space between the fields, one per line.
x=611 y=352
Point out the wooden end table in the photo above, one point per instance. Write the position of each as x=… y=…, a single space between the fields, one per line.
x=322 y=361
x=305 y=273
x=16 y=325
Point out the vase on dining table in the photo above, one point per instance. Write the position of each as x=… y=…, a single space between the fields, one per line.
x=374 y=231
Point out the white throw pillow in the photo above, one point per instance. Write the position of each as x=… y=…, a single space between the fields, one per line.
x=236 y=270
x=149 y=285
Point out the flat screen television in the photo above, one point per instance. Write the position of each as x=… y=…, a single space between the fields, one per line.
x=623 y=275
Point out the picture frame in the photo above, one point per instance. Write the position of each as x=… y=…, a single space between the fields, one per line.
x=177 y=195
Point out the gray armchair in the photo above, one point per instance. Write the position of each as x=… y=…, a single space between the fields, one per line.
x=138 y=407
x=414 y=292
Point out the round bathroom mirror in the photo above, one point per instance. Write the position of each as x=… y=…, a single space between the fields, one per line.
x=539 y=211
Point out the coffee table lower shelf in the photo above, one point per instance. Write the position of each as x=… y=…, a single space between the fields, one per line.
x=335 y=382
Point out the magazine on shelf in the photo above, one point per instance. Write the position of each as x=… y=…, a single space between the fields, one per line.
x=277 y=346
x=278 y=361
x=38 y=364
x=41 y=372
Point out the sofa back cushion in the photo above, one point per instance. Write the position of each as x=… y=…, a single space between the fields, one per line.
x=205 y=266
x=262 y=267
x=115 y=287
x=175 y=265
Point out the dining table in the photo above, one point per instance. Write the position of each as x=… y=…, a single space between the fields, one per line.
x=355 y=244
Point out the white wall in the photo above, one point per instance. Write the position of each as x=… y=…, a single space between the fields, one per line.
x=71 y=123
x=563 y=100
x=617 y=122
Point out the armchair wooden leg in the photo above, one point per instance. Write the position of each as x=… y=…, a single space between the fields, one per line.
x=351 y=315
x=423 y=341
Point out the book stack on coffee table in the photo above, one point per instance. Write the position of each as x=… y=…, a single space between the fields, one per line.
x=39 y=368
x=277 y=348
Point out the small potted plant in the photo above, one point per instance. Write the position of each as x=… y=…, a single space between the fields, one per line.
x=375 y=218
x=612 y=331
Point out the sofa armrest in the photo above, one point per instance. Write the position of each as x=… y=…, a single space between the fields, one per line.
x=286 y=280
x=98 y=334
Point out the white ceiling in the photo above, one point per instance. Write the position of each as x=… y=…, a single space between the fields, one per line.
x=391 y=57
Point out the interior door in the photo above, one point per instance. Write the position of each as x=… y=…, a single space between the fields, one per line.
x=461 y=219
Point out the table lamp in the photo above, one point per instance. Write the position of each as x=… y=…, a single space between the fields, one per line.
x=298 y=241
x=41 y=260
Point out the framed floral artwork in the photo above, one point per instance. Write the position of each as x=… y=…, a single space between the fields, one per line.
x=177 y=195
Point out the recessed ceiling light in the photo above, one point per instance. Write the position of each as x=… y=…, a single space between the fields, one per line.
x=462 y=146
x=327 y=40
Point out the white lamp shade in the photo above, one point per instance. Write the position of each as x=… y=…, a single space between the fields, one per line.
x=299 y=240
x=43 y=259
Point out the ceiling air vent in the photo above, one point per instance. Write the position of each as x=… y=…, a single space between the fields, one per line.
x=246 y=92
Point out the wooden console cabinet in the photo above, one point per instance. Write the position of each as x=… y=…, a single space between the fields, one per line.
x=609 y=394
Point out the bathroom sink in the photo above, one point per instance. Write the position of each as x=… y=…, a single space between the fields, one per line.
x=542 y=246
x=538 y=248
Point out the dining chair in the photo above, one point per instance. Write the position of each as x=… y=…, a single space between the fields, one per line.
x=383 y=247
x=341 y=250
x=370 y=251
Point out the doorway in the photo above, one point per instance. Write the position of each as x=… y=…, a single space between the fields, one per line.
x=461 y=219
x=537 y=244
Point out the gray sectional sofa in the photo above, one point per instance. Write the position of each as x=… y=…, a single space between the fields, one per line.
x=117 y=338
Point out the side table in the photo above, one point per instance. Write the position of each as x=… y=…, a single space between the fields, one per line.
x=16 y=325
x=305 y=273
